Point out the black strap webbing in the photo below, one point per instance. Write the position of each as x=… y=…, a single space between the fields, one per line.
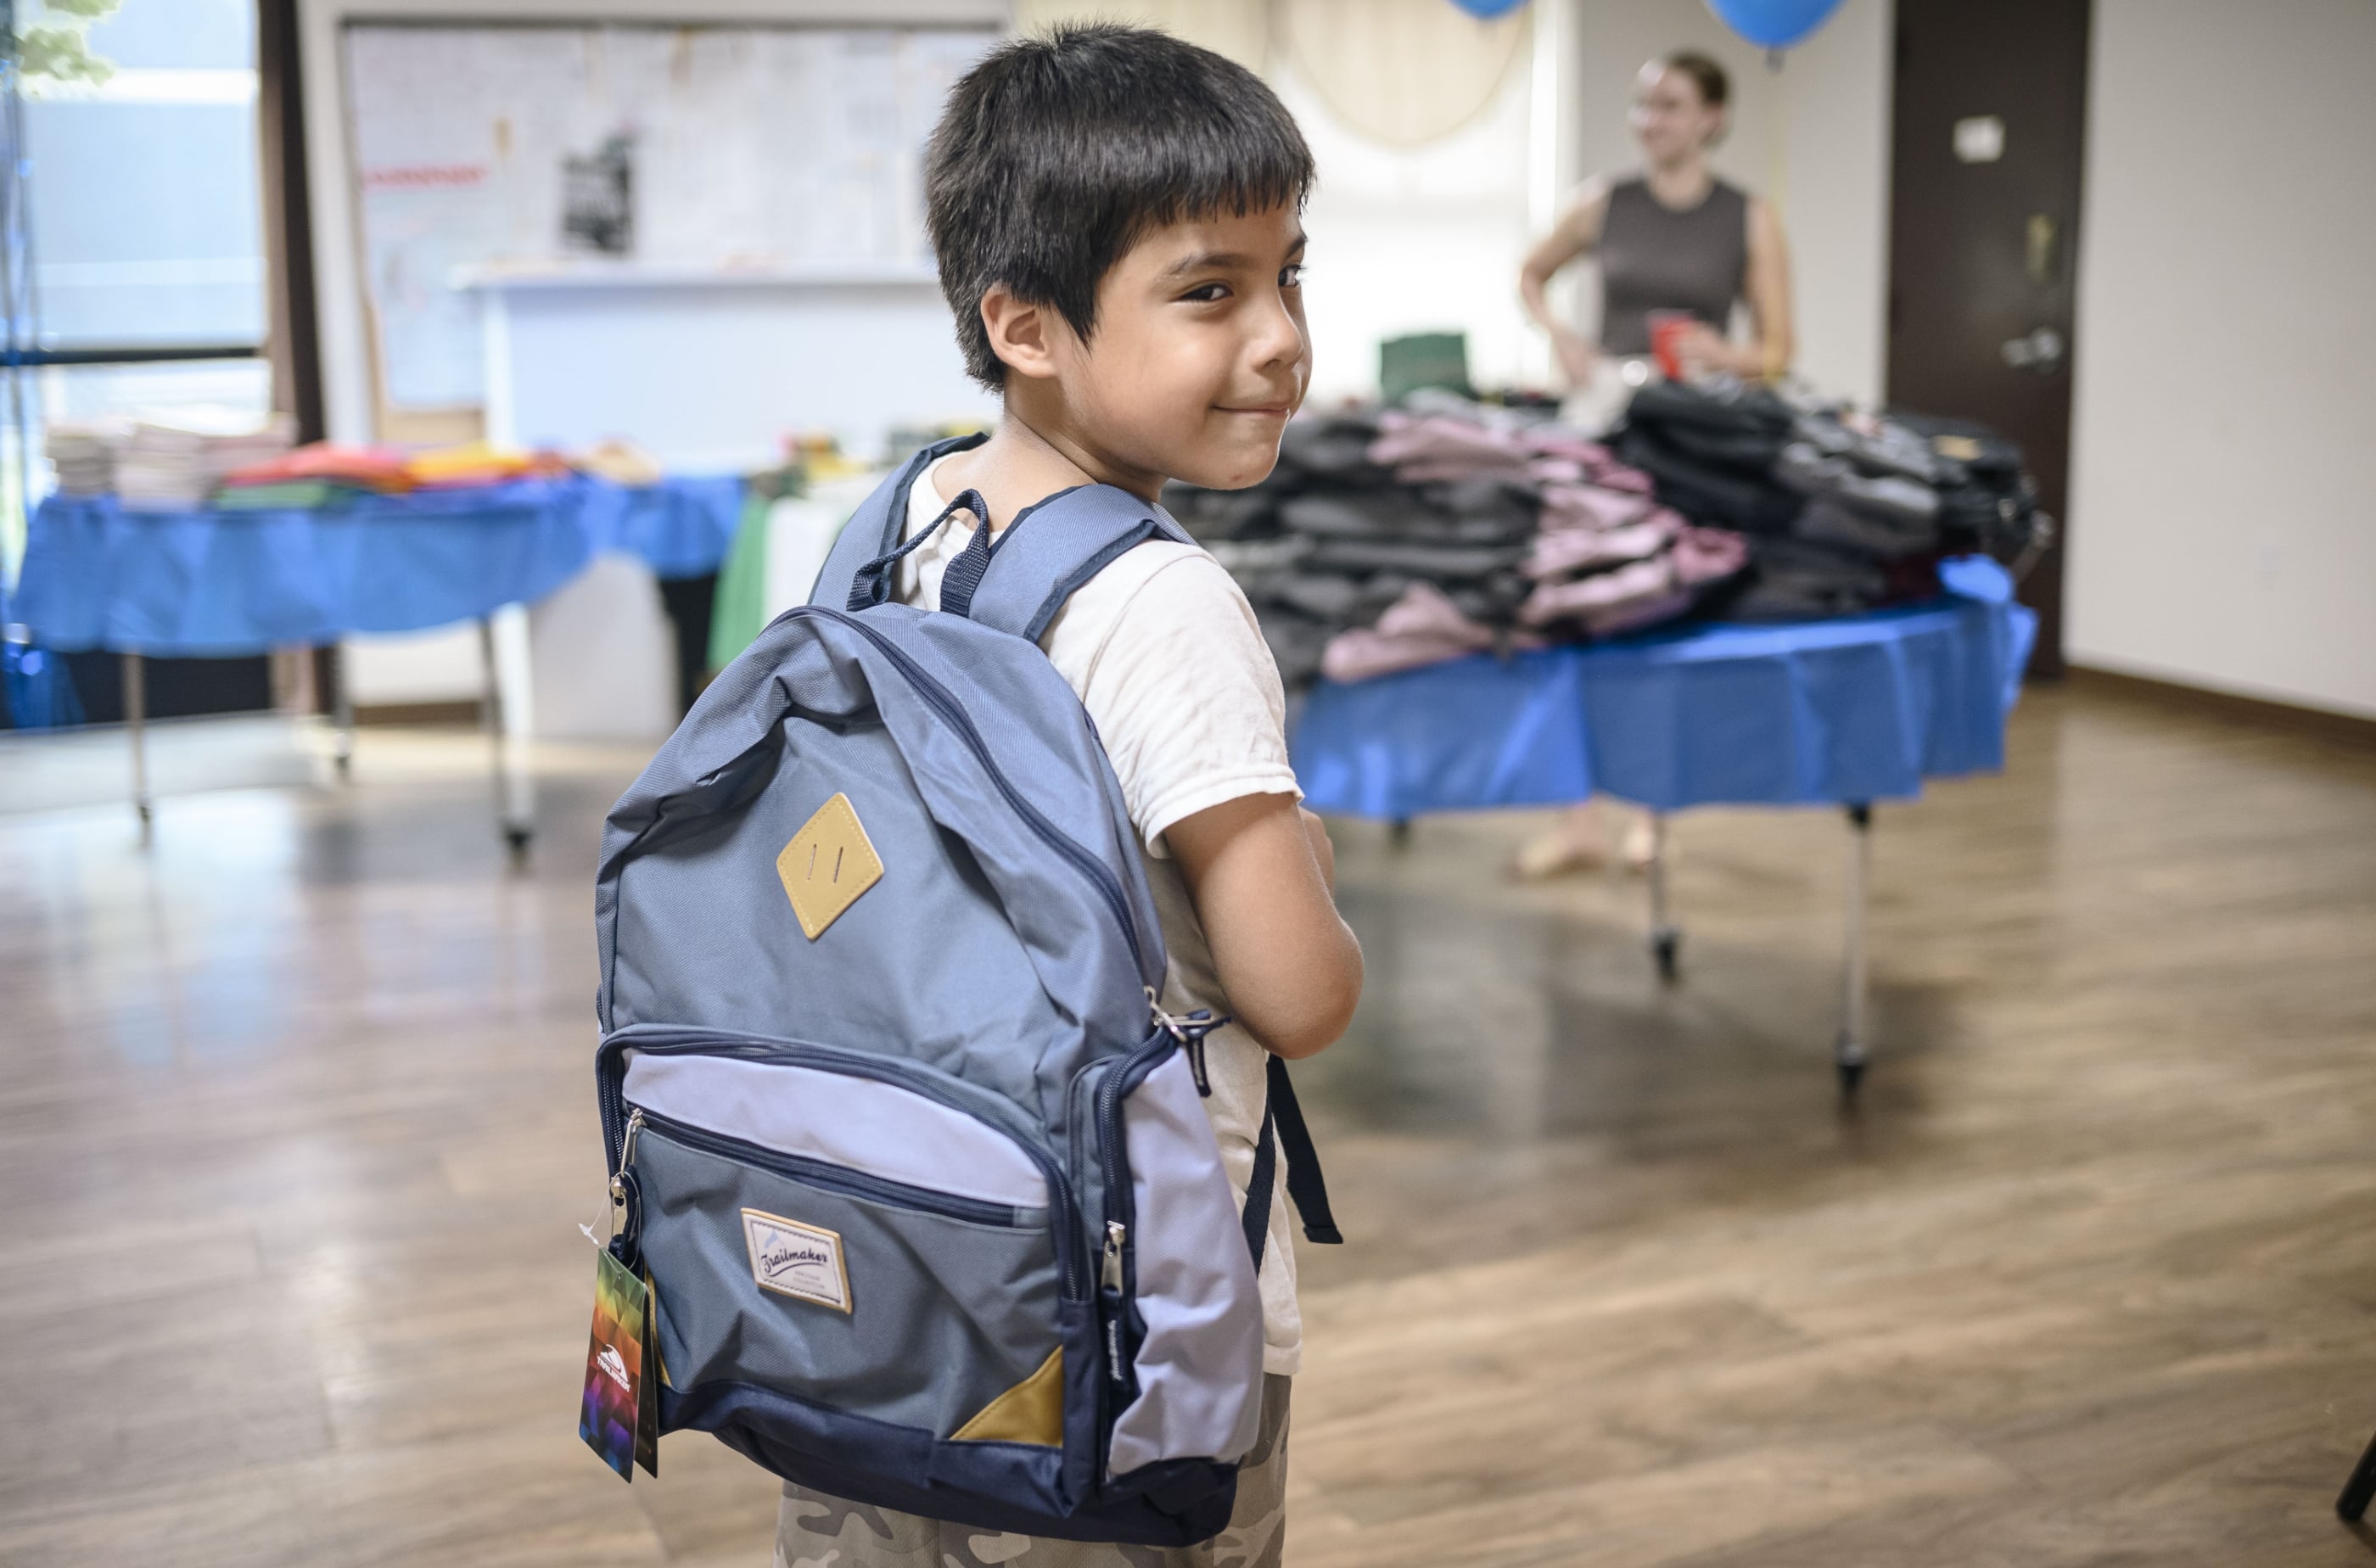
x=1255 y=1215
x=1283 y=1119
x=964 y=574
x=874 y=583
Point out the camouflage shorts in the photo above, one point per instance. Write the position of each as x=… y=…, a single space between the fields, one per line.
x=817 y=1531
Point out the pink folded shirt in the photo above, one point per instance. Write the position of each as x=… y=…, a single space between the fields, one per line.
x=1569 y=551
x=1421 y=628
x=1623 y=588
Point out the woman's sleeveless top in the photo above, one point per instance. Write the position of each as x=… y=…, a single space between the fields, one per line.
x=1654 y=258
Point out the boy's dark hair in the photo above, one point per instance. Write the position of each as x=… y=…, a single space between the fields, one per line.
x=1056 y=154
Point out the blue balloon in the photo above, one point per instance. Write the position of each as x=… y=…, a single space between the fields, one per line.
x=1488 y=9
x=1773 y=24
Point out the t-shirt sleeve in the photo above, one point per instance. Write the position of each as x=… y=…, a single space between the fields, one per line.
x=1187 y=699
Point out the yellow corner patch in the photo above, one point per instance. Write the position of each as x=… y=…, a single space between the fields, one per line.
x=828 y=864
x=1031 y=1411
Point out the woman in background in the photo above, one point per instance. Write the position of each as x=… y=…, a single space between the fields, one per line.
x=1672 y=239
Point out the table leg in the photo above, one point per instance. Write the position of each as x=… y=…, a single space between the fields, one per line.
x=2360 y=1490
x=1850 y=1055
x=136 y=727
x=510 y=776
x=1664 y=939
x=342 y=713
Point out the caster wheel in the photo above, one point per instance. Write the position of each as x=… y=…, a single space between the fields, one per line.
x=1851 y=1074
x=1663 y=947
x=1398 y=833
x=518 y=837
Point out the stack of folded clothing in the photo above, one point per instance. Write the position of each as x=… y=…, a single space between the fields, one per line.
x=84 y=453
x=174 y=467
x=1844 y=511
x=1384 y=542
x=1613 y=560
x=1333 y=541
x=323 y=474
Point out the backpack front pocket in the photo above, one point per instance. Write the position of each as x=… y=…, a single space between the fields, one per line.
x=847 y=1243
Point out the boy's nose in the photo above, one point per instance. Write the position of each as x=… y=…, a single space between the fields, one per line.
x=1279 y=337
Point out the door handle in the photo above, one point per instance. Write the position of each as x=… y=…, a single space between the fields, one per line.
x=2041 y=351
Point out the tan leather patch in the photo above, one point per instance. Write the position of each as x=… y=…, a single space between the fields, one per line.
x=828 y=864
x=1031 y=1411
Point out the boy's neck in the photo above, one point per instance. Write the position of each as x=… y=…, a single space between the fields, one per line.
x=1030 y=457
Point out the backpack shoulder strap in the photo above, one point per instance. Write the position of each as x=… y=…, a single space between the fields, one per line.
x=872 y=531
x=1282 y=1127
x=1051 y=549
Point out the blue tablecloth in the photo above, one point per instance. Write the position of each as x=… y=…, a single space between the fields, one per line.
x=221 y=583
x=1822 y=712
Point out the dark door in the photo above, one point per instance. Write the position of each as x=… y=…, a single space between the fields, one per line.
x=1985 y=151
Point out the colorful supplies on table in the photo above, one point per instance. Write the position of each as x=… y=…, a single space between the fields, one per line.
x=620 y=462
x=339 y=464
x=288 y=495
x=478 y=463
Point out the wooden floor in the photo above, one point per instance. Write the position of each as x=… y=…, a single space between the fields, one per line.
x=296 y=1130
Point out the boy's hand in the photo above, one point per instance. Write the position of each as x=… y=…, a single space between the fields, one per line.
x=1259 y=869
x=1322 y=849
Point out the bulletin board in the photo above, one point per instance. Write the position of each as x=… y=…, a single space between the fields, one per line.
x=732 y=147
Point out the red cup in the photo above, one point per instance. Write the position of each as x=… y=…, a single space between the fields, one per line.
x=1667 y=331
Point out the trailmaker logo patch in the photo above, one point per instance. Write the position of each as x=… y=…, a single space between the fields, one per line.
x=796 y=1260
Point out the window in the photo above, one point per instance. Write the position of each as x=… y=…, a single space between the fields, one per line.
x=146 y=233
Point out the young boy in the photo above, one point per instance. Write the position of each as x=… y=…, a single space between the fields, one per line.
x=1116 y=219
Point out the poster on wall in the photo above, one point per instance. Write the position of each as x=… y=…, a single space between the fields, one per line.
x=731 y=149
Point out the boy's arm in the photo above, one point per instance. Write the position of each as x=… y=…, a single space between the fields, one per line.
x=1260 y=872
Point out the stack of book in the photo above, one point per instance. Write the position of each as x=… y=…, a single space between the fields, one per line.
x=176 y=466
x=84 y=454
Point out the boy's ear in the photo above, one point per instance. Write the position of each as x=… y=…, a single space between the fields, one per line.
x=1020 y=333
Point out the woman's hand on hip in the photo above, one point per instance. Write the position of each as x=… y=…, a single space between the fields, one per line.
x=1576 y=356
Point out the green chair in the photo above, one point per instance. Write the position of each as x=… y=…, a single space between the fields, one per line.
x=1423 y=359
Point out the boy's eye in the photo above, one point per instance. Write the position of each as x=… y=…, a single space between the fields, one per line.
x=1291 y=276
x=1207 y=294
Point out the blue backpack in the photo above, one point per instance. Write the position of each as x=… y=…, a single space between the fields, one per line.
x=933 y=1217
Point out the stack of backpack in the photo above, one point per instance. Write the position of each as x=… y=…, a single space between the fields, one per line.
x=1388 y=539
x=1843 y=511
x=914 y=1162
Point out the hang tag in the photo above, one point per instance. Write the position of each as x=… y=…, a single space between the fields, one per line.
x=619 y=1412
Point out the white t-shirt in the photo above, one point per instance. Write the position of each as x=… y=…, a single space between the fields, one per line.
x=1166 y=656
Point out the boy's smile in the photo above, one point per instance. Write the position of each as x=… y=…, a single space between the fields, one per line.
x=1198 y=358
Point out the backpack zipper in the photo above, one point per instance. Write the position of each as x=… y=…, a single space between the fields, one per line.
x=1110 y=1282
x=832 y=1178
x=943 y=701
x=662 y=1041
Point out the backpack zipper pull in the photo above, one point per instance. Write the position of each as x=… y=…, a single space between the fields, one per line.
x=626 y=1158
x=1109 y=1268
x=1190 y=1032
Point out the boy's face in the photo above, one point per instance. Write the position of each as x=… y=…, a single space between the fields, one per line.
x=1200 y=353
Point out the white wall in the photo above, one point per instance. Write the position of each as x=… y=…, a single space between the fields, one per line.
x=1419 y=240
x=1415 y=240
x=1813 y=138
x=2223 y=516
x=444 y=665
